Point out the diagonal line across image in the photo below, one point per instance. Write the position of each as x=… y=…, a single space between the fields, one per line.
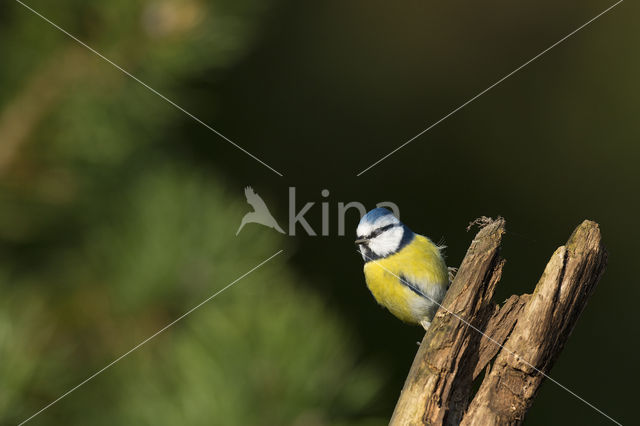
x=278 y=173
x=136 y=347
x=146 y=86
x=490 y=87
x=492 y=340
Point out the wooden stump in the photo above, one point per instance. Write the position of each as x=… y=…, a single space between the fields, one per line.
x=516 y=343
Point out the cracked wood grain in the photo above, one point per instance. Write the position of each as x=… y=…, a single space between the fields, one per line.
x=468 y=332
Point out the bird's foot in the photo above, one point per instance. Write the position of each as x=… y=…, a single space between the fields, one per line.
x=425 y=323
x=452 y=273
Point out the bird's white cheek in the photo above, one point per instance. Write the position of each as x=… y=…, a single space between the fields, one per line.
x=386 y=243
x=378 y=247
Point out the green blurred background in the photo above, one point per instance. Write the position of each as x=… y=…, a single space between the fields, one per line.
x=118 y=212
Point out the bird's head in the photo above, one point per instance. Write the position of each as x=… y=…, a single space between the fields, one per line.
x=380 y=234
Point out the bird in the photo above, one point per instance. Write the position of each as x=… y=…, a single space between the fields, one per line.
x=404 y=271
x=260 y=213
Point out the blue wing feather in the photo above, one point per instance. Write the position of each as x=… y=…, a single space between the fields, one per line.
x=412 y=286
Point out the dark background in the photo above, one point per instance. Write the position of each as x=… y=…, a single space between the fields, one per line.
x=320 y=91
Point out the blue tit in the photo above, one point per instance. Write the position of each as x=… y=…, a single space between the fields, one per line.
x=404 y=271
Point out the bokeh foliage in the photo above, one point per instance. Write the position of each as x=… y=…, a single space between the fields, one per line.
x=266 y=351
x=106 y=237
x=96 y=255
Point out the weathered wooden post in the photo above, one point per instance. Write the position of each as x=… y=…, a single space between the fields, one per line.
x=516 y=343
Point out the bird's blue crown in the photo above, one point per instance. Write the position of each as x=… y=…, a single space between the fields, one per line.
x=381 y=234
x=375 y=214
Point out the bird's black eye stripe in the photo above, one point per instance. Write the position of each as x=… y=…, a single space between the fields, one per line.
x=380 y=230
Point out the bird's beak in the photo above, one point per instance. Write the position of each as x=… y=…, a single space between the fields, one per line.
x=361 y=241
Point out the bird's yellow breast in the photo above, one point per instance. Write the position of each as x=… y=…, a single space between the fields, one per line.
x=420 y=263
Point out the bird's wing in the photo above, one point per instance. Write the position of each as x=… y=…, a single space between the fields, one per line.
x=423 y=269
x=412 y=286
x=254 y=199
